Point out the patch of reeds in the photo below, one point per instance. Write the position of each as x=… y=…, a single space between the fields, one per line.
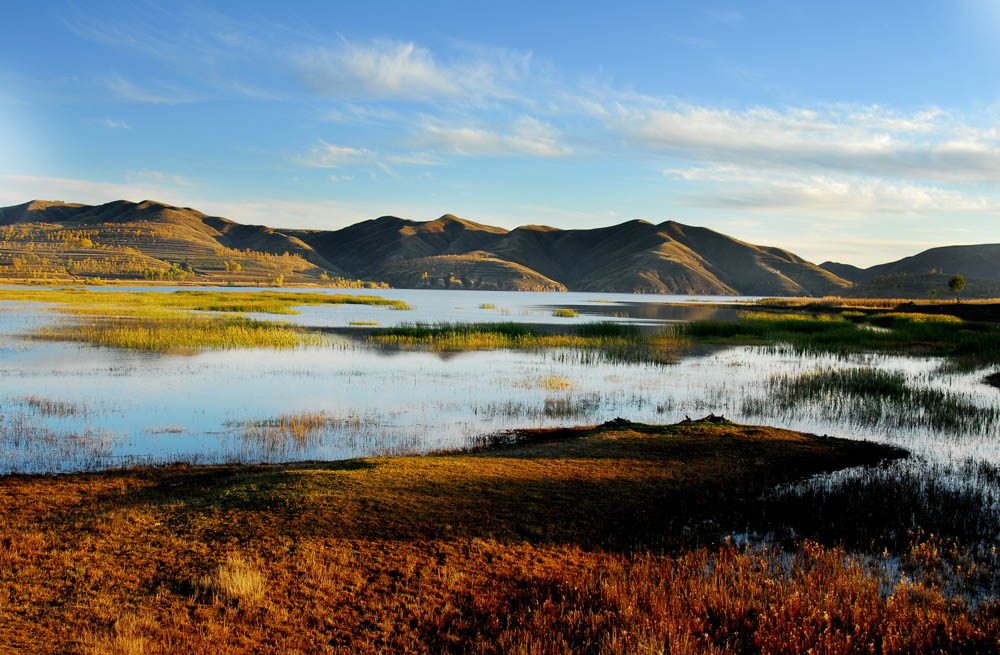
x=871 y=396
x=613 y=341
x=565 y=313
x=907 y=333
x=176 y=333
x=48 y=406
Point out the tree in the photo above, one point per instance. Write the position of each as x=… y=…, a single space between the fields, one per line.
x=956 y=284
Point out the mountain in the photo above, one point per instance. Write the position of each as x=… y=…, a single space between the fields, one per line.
x=151 y=240
x=124 y=240
x=927 y=273
x=846 y=271
x=635 y=256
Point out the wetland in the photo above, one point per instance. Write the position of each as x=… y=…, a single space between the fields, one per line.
x=427 y=440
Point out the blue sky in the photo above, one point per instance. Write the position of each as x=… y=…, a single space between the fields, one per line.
x=854 y=131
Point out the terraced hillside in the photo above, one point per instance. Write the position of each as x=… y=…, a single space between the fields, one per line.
x=46 y=241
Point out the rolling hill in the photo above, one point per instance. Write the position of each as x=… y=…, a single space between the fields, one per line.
x=150 y=240
x=927 y=273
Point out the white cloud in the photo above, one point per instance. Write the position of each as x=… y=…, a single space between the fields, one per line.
x=837 y=197
x=113 y=124
x=527 y=136
x=875 y=142
x=331 y=155
x=386 y=69
x=158 y=177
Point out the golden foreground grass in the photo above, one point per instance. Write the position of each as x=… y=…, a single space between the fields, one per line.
x=590 y=540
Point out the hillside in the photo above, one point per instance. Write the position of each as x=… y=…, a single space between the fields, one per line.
x=926 y=274
x=123 y=240
x=635 y=256
x=976 y=261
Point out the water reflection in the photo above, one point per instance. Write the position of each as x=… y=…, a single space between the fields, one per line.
x=69 y=407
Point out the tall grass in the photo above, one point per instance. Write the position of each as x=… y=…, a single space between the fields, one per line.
x=611 y=340
x=871 y=396
x=182 y=332
x=907 y=333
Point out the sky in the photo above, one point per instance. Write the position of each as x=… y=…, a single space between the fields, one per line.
x=858 y=132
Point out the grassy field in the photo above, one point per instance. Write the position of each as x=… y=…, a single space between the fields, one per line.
x=594 y=540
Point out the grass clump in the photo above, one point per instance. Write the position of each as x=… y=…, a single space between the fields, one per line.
x=565 y=313
x=873 y=396
x=611 y=340
x=238 y=579
x=181 y=332
x=906 y=333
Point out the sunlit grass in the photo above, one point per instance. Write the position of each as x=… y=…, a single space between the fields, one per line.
x=270 y=302
x=180 y=332
x=837 y=302
x=846 y=333
x=565 y=313
x=598 y=540
x=613 y=340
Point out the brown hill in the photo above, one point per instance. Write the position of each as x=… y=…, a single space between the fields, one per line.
x=635 y=256
x=151 y=240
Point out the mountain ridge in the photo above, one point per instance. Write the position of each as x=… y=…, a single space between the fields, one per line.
x=122 y=240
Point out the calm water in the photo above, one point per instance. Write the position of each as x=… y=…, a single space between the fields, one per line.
x=70 y=407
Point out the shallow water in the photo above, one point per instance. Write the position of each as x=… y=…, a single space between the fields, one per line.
x=71 y=407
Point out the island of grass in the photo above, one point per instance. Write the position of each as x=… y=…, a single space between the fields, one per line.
x=601 y=539
x=183 y=320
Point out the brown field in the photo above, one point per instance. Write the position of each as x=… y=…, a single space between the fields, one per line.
x=590 y=540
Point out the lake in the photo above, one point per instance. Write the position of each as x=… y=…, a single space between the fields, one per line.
x=69 y=407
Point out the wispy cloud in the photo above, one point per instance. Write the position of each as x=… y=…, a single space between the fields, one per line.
x=331 y=155
x=113 y=124
x=158 y=177
x=131 y=92
x=727 y=16
x=387 y=69
x=873 y=142
x=526 y=137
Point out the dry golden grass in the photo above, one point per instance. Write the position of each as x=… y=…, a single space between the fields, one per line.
x=837 y=302
x=238 y=579
x=578 y=541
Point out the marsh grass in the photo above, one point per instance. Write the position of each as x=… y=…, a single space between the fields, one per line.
x=612 y=341
x=181 y=332
x=837 y=302
x=288 y=434
x=870 y=396
x=549 y=383
x=46 y=406
x=923 y=334
x=565 y=313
